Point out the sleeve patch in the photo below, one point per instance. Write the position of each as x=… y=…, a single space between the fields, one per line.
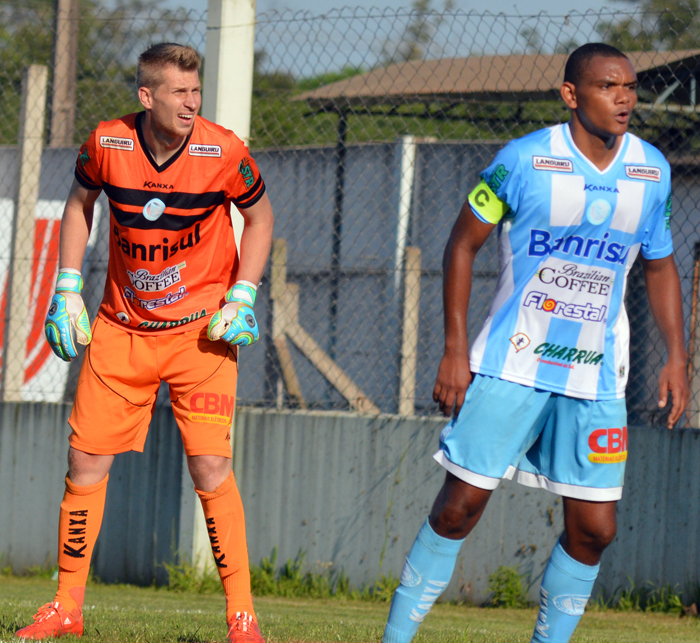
x=486 y=204
x=246 y=172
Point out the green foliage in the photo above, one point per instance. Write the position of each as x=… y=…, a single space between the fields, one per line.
x=322 y=581
x=507 y=588
x=644 y=598
x=661 y=25
x=425 y=21
x=109 y=40
x=184 y=576
x=307 y=84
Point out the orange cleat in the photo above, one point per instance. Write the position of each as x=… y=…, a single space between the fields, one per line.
x=53 y=620
x=244 y=630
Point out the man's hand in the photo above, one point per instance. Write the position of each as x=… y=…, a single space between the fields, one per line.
x=673 y=379
x=67 y=321
x=453 y=380
x=235 y=323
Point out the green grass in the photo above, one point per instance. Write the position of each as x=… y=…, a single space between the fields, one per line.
x=126 y=614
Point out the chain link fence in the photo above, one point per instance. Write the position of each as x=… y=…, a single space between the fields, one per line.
x=370 y=128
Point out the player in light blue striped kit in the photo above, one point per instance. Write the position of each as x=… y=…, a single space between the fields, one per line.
x=540 y=393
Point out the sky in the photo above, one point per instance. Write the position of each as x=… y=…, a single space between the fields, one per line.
x=514 y=7
x=510 y=7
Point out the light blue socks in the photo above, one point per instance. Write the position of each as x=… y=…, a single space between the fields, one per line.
x=425 y=576
x=566 y=588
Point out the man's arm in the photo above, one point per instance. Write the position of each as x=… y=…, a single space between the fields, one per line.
x=454 y=377
x=664 y=292
x=256 y=240
x=76 y=225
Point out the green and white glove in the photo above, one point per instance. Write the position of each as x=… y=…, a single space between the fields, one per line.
x=235 y=323
x=67 y=321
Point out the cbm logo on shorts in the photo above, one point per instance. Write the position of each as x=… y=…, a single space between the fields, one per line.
x=212 y=408
x=608 y=445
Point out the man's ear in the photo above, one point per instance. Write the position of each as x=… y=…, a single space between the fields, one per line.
x=146 y=97
x=568 y=95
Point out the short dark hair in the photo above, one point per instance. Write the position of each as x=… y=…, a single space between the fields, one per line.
x=157 y=57
x=579 y=58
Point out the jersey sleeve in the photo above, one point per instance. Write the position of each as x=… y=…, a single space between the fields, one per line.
x=87 y=166
x=244 y=185
x=658 y=241
x=498 y=192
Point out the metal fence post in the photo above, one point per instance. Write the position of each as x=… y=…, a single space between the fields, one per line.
x=30 y=147
x=409 y=340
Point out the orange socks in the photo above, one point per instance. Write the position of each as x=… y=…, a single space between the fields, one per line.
x=78 y=527
x=223 y=511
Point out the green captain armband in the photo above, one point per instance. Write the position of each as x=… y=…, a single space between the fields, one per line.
x=486 y=204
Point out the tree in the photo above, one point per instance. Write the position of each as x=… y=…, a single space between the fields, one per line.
x=658 y=25
x=424 y=22
x=109 y=41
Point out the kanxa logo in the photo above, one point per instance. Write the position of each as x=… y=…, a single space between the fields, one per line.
x=589 y=187
x=77 y=527
x=215 y=546
x=158 y=186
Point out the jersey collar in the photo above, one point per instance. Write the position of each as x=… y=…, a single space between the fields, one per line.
x=620 y=150
x=158 y=168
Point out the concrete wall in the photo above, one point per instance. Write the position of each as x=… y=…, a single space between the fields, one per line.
x=344 y=489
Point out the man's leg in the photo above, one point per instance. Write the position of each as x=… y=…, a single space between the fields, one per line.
x=78 y=527
x=573 y=567
x=432 y=558
x=223 y=512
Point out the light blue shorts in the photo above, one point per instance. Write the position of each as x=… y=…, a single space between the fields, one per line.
x=574 y=448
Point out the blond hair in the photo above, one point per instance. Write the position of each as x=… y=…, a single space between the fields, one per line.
x=157 y=57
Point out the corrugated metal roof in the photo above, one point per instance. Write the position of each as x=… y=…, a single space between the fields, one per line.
x=477 y=78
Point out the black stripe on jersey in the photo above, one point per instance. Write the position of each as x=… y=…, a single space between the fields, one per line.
x=82 y=179
x=253 y=201
x=251 y=192
x=174 y=222
x=180 y=200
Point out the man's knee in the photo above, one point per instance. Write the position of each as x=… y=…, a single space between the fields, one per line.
x=88 y=468
x=457 y=508
x=208 y=471
x=590 y=528
x=599 y=535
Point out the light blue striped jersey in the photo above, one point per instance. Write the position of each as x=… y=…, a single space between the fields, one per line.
x=568 y=236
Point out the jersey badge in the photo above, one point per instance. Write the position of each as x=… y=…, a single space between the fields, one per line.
x=520 y=341
x=115 y=143
x=84 y=158
x=598 y=211
x=551 y=164
x=246 y=172
x=643 y=172
x=213 y=151
x=153 y=209
x=123 y=317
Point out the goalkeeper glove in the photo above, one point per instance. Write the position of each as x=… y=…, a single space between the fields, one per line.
x=235 y=323
x=67 y=320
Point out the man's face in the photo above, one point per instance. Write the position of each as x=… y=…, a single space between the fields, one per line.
x=175 y=102
x=605 y=96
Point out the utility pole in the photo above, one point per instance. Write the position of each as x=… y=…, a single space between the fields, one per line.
x=65 y=67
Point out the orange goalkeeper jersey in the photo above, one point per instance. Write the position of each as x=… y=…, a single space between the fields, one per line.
x=172 y=253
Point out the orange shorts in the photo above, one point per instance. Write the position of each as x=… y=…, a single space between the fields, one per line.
x=119 y=382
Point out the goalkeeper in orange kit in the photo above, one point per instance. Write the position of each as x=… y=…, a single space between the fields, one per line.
x=179 y=300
